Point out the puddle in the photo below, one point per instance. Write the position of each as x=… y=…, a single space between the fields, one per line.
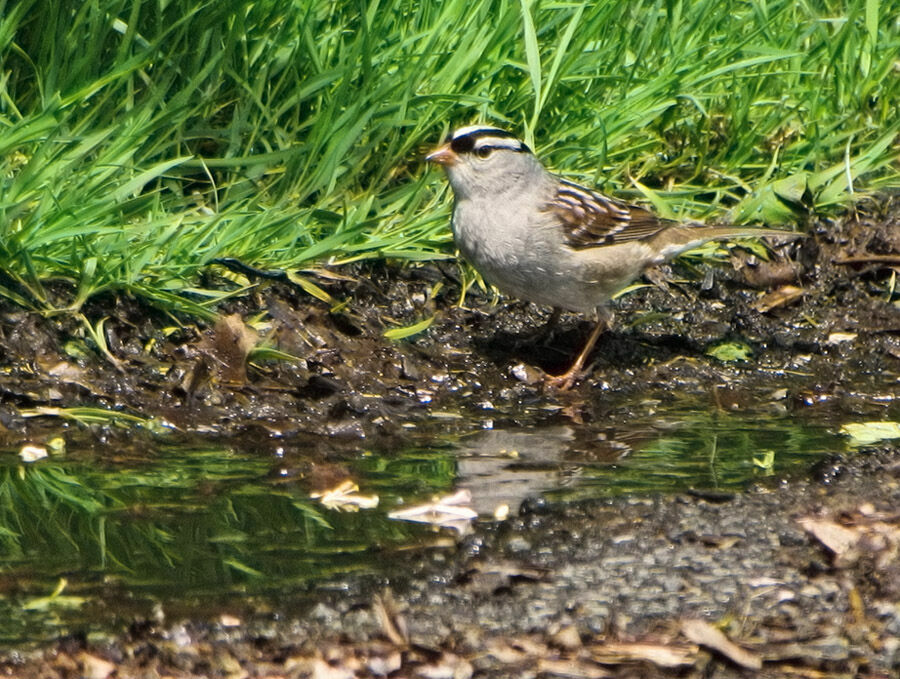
x=695 y=452
x=122 y=532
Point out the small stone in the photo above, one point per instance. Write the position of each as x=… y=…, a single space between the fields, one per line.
x=518 y=545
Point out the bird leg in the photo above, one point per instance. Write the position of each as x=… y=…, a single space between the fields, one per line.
x=546 y=331
x=567 y=379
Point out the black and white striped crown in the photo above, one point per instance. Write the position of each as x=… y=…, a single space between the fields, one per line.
x=478 y=138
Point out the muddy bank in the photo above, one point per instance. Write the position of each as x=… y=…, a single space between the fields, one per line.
x=557 y=588
x=817 y=320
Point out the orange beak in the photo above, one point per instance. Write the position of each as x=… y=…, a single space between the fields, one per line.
x=443 y=155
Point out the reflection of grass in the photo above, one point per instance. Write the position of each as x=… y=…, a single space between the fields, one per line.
x=138 y=142
x=150 y=523
x=722 y=451
x=196 y=523
x=414 y=473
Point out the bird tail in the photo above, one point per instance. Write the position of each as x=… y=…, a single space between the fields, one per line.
x=672 y=242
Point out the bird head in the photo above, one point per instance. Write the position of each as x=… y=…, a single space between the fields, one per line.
x=481 y=160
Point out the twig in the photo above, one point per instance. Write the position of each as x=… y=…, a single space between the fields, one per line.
x=893 y=260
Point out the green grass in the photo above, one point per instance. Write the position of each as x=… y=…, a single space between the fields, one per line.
x=140 y=140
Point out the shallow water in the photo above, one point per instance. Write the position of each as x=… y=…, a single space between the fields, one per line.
x=139 y=525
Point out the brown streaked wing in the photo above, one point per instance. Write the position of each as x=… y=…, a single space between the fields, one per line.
x=591 y=219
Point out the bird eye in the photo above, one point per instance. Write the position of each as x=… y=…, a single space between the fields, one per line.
x=483 y=152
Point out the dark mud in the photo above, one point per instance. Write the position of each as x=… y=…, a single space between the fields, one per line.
x=831 y=336
x=550 y=590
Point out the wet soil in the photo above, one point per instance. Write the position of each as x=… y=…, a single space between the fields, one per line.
x=550 y=591
x=829 y=333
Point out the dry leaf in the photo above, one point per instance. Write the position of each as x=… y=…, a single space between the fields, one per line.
x=450 y=511
x=392 y=622
x=345 y=497
x=838 y=540
x=571 y=669
x=838 y=337
x=228 y=346
x=515 y=651
x=777 y=298
x=383 y=665
x=867 y=433
x=324 y=670
x=703 y=633
x=662 y=655
x=567 y=638
x=93 y=667
x=449 y=666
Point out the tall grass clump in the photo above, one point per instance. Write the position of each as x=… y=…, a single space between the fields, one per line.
x=141 y=140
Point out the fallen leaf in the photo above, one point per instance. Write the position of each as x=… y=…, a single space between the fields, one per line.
x=778 y=298
x=701 y=632
x=228 y=346
x=730 y=351
x=449 y=666
x=867 y=534
x=571 y=669
x=839 y=540
x=384 y=665
x=393 y=624
x=345 y=497
x=71 y=373
x=662 y=655
x=567 y=638
x=450 y=511
x=93 y=667
x=516 y=651
x=325 y=670
x=867 y=433
x=838 y=337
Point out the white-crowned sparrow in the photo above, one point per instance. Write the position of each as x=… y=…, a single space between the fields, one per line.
x=547 y=240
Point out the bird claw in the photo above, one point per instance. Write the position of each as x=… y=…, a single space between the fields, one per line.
x=565 y=381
